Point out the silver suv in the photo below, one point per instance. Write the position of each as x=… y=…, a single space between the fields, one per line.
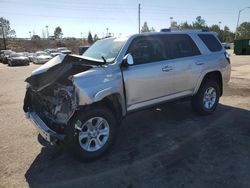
x=81 y=100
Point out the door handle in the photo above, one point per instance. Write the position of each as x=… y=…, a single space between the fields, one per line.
x=199 y=63
x=167 y=68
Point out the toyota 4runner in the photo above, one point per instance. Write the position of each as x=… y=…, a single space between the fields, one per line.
x=81 y=100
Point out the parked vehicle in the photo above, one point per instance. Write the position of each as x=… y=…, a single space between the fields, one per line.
x=41 y=57
x=30 y=56
x=53 y=52
x=81 y=100
x=18 y=59
x=64 y=50
x=82 y=49
x=4 y=55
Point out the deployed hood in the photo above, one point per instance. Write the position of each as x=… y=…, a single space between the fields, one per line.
x=60 y=68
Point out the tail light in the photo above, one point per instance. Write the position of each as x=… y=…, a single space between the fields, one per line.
x=227 y=56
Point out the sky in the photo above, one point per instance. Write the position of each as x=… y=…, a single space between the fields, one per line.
x=119 y=16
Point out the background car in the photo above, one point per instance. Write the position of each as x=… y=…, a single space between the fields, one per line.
x=64 y=50
x=41 y=57
x=18 y=59
x=53 y=52
x=30 y=56
x=4 y=56
x=82 y=49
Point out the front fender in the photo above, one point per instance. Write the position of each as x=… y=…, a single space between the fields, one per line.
x=94 y=86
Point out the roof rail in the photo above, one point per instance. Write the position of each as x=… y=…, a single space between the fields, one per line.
x=181 y=30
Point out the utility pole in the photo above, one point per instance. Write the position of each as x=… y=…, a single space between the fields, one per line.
x=4 y=42
x=139 y=17
x=47 y=31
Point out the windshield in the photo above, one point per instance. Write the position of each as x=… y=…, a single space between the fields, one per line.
x=41 y=53
x=107 y=49
x=17 y=55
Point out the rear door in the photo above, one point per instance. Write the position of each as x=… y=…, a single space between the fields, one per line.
x=186 y=62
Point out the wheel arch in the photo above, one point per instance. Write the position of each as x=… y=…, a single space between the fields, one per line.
x=215 y=75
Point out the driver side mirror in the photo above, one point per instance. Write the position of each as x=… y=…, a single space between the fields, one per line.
x=127 y=60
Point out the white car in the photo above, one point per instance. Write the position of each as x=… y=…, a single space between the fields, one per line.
x=41 y=57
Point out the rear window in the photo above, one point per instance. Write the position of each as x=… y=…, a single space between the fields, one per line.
x=181 y=45
x=211 y=42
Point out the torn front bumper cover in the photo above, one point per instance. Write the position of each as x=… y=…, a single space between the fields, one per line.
x=49 y=135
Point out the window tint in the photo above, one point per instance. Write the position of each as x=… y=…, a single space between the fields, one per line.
x=211 y=42
x=147 y=50
x=181 y=45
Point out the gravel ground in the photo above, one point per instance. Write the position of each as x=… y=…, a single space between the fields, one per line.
x=165 y=147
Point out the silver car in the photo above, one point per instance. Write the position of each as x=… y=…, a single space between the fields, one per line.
x=41 y=57
x=81 y=100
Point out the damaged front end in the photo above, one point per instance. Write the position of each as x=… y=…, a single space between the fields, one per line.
x=50 y=99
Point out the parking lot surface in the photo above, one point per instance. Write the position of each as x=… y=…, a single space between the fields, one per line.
x=167 y=146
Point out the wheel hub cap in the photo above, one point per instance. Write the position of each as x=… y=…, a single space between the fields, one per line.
x=209 y=98
x=93 y=134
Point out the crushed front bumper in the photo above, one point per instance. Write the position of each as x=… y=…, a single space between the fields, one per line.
x=49 y=135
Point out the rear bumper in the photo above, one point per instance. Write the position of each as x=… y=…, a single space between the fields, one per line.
x=49 y=135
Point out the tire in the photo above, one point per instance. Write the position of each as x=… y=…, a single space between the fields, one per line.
x=42 y=141
x=84 y=143
x=207 y=98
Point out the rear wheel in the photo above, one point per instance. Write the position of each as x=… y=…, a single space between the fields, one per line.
x=91 y=133
x=206 y=99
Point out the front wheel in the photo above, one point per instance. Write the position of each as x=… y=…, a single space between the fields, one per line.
x=91 y=133
x=206 y=99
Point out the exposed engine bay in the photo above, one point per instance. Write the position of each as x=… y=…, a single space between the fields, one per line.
x=55 y=104
x=50 y=92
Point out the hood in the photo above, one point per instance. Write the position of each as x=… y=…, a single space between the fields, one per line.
x=61 y=68
x=20 y=58
x=44 y=57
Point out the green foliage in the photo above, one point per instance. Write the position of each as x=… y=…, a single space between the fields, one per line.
x=96 y=38
x=146 y=29
x=58 y=32
x=5 y=24
x=90 y=38
x=225 y=35
x=243 y=31
x=200 y=23
x=36 y=37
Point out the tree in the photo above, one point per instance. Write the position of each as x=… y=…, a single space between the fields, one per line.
x=145 y=28
x=58 y=32
x=5 y=27
x=90 y=38
x=243 y=31
x=174 y=24
x=152 y=29
x=228 y=36
x=185 y=25
x=96 y=38
x=200 y=23
x=35 y=37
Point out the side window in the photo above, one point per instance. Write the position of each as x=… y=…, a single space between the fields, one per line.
x=211 y=42
x=182 y=46
x=147 y=50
